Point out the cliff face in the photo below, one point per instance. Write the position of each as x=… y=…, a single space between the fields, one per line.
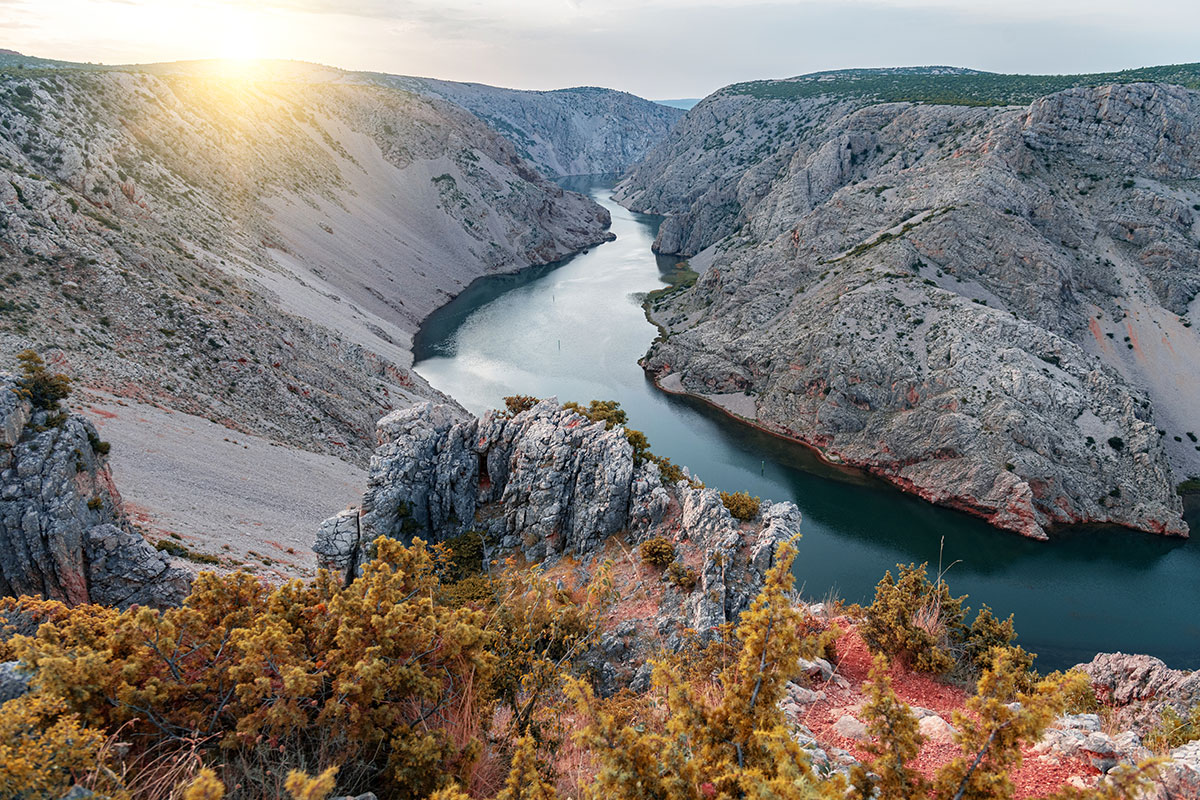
x=255 y=249
x=989 y=306
x=580 y=131
x=62 y=533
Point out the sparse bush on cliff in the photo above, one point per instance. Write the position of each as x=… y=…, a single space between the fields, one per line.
x=519 y=403
x=741 y=505
x=43 y=388
x=915 y=620
x=1172 y=730
x=657 y=552
x=681 y=577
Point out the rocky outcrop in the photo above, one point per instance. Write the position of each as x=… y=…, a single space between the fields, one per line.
x=1138 y=688
x=987 y=306
x=548 y=483
x=585 y=130
x=62 y=534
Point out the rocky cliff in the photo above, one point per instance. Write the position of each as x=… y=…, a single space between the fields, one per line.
x=62 y=532
x=549 y=484
x=585 y=130
x=988 y=305
x=255 y=248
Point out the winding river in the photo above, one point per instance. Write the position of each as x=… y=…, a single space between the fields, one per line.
x=575 y=329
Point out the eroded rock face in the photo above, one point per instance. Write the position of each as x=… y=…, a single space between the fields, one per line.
x=547 y=483
x=62 y=534
x=1139 y=687
x=986 y=306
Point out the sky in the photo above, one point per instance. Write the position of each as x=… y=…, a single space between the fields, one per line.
x=659 y=49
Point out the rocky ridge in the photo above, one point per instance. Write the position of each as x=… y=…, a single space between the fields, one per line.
x=63 y=535
x=548 y=484
x=988 y=306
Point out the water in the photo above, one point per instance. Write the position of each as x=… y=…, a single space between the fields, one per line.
x=576 y=330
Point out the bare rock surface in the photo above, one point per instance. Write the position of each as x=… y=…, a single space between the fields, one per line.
x=62 y=532
x=1140 y=687
x=258 y=251
x=988 y=306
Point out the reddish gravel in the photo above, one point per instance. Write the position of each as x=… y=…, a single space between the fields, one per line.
x=1036 y=776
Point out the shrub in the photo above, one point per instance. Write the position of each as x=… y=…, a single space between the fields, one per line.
x=658 y=552
x=43 y=388
x=915 y=620
x=99 y=446
x=1116 y=443
x=1172 y=730
x=368 y=676
x=683 y=578
x=43 y=748
x=741 y=505
x=519 y=403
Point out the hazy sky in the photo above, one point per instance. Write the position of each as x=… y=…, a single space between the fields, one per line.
x=655 y=48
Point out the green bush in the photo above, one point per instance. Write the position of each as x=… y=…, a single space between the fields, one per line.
x=658 y=551
x=922 y=624
x=683 y=578
x=915 y=620
x=741 y=505
x=519 y=403
x=43 y=388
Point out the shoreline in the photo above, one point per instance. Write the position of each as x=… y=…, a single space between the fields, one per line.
x=835 y=461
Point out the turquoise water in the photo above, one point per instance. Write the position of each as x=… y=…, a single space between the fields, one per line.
x=576 y=330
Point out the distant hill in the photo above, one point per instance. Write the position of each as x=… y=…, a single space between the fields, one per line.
x=686 y=103
x=952 y=85
x=578 y=131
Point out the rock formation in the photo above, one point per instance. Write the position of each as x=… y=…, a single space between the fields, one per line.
x=62 y=534
x=548 y=483
x=986 y=305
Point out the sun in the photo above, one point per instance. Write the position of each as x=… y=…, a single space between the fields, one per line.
x=242 y=43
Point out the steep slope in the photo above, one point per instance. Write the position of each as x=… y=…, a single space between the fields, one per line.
x=987 y=305
x=257 y=251
x=585 y=130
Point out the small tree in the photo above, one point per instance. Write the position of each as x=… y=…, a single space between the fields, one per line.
x=43 y=388
x=894 y=746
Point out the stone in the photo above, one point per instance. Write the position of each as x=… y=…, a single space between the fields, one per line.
x=850 y=728
x=937 y=730
x=1139 y=687
x=14 y=681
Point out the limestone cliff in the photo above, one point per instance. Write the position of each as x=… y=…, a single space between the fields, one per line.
x=988 y=305
x=62 y=532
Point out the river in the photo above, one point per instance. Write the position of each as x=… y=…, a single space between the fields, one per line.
x=576 y=329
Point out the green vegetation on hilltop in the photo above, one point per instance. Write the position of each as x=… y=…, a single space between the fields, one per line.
x=943 y=86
